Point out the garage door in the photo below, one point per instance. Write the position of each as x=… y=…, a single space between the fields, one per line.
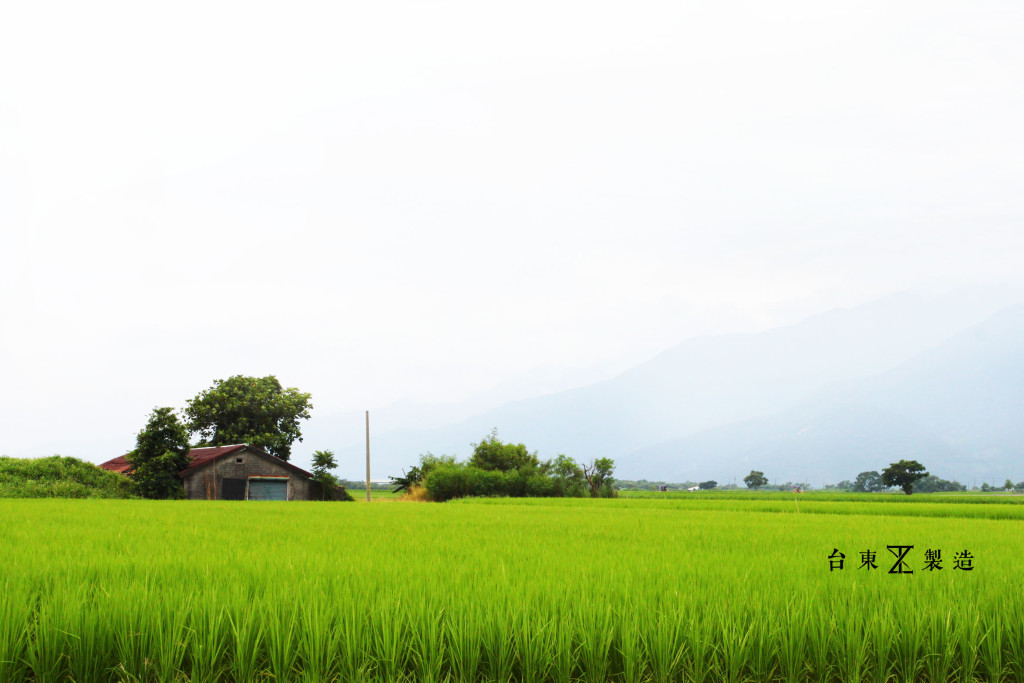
x=268 y=489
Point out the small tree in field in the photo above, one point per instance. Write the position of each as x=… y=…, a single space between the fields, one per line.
x=903 y=474
x=161 y=453
x=330 y=487
x=755 y=480
x=598 y=474
x=323 y=463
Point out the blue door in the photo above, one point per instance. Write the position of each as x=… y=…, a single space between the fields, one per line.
x=268 y=489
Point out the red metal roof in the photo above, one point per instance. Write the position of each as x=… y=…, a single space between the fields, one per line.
x=118 y=464
x=203 y=456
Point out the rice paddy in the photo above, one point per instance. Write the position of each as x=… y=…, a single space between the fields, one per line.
x=684 y=589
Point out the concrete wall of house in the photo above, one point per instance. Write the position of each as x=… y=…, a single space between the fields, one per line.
x=210 y=478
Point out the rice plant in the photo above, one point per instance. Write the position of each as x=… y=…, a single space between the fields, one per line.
x=634 y=591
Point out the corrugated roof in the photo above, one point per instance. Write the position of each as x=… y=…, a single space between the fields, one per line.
x=203 y=456
x=118 y=464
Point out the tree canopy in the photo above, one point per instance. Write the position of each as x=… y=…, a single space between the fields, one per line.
x=492 y=454
x=251 y=410
x=161 y=452
x=598 y=474
x=868 y=482
x=323 y=463
x=755 y=479
x=933 y=484
x=330 y=488
x=903 y=474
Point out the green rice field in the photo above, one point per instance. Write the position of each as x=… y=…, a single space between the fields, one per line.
x=681 y=588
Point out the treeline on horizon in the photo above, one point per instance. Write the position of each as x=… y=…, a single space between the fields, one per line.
x=435 y=478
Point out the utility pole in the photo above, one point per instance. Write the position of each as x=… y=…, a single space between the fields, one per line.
x=367 y=456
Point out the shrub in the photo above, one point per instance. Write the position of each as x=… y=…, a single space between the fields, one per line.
x=460 y=481
x=416 y=493
x=60 y=477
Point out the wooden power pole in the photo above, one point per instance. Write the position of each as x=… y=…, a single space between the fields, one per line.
x=367 y=456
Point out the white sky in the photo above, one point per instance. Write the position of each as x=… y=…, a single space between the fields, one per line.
x=428 y=200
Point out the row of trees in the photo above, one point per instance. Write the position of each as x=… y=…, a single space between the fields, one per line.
x=506 y=469
x=903 y=474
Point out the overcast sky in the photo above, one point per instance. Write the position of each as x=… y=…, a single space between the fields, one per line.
x=431 y=201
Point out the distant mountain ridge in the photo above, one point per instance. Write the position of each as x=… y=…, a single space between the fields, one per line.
x=957 y=408
x=708 y=387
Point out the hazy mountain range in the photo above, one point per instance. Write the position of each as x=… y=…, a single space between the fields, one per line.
x=938 y=380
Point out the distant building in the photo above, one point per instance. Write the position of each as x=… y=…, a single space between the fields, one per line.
x=237 y=472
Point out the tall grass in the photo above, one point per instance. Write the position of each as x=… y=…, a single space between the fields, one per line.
x=98 y=591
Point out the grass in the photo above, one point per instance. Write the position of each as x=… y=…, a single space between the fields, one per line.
x=708 y=589
x=375 y=494
x=59 y=477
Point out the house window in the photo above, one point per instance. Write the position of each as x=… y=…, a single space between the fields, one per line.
x=239 y=460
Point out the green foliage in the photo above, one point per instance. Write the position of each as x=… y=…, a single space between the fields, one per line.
x=448 y=482
x=755 y=480
x=568 y=476
x=932 y=484
x=458 y=481
x=709 y=484
x=492 y=454
x=60 y=477
x=416 y=473
x=161 y=453
x=500 y=469
x=903 y=474
x=868 y=482
x=598 y=474
x=328 y=485
x=408 y=479
x=249 y=410
x=323 y=462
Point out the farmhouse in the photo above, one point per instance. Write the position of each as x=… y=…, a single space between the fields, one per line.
x=237 y=472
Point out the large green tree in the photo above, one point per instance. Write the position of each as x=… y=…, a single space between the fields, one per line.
x=251 y=410
x=755 y=479
x=903 y=474
x=161 y=452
